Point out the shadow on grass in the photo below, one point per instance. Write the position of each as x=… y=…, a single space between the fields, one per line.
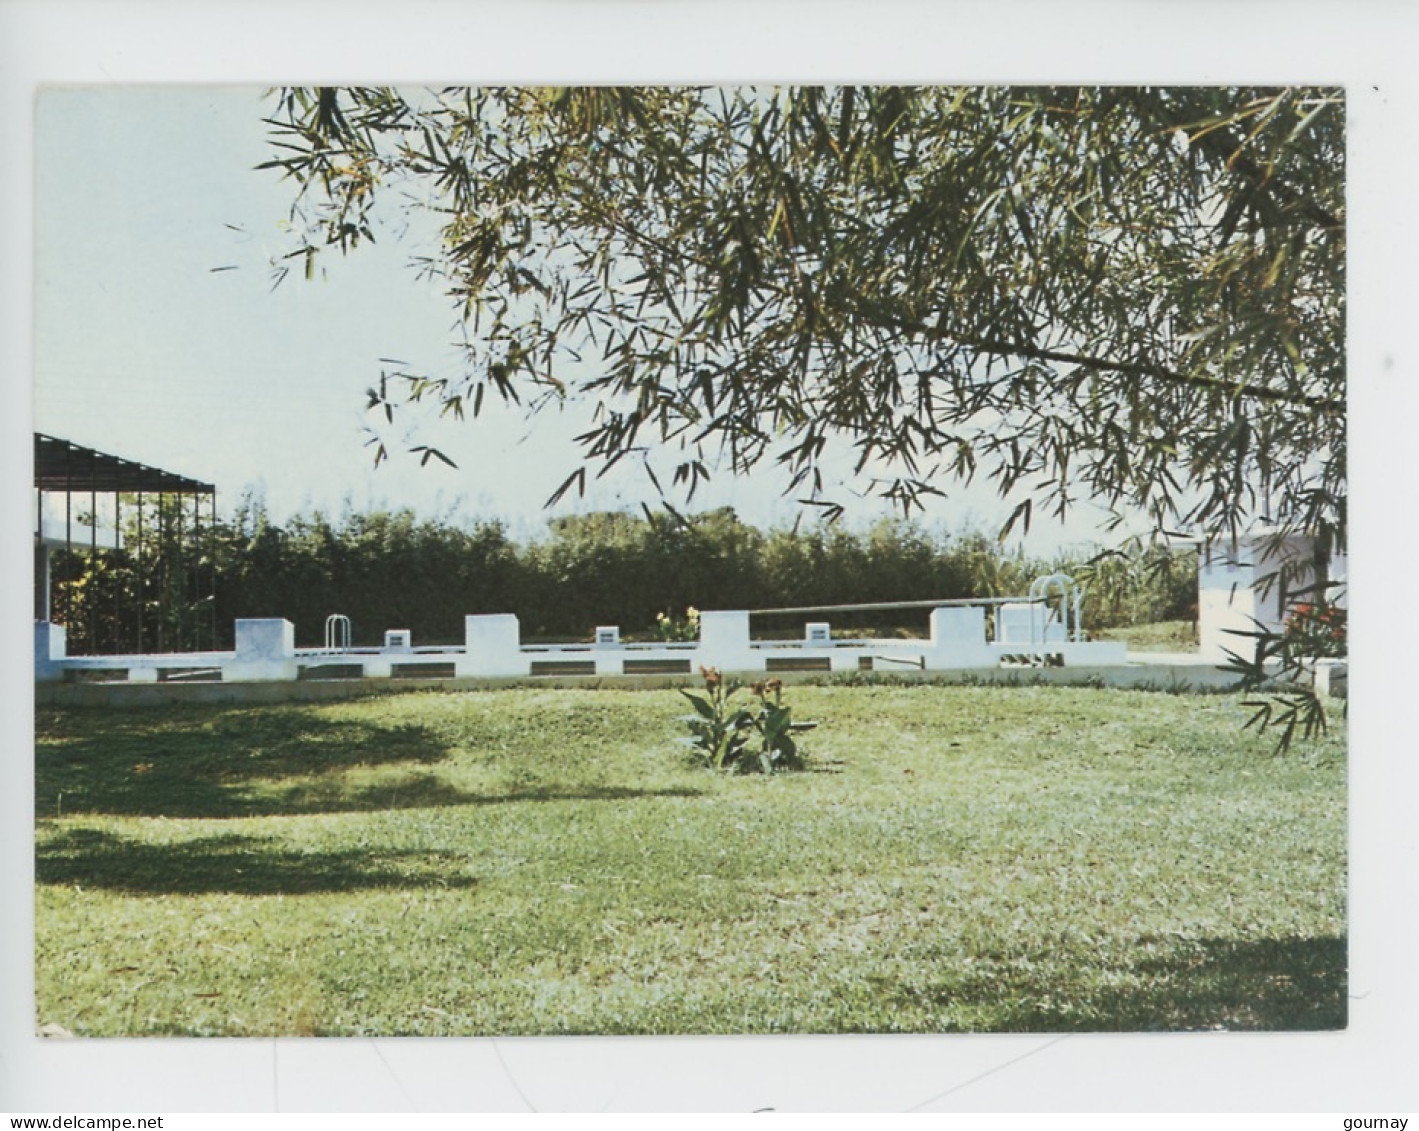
x=1197 y=984
x=225 y=762
x=428 y=791
x=195 y=762
x=217 y=762
x=239 y=865
x=1286 y=983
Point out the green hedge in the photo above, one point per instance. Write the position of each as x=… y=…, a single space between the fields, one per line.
x=392 y=570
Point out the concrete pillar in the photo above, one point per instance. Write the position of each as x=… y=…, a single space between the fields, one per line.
x=724 y=641
x=1332 y=679
x=957 y=624
x=606 y=649
x=49 y=650
x=1013 y=621
x=958 y=638
x=265 y=649
x=493 y=646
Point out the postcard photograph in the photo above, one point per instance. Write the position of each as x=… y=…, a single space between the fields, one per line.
x=689 y=560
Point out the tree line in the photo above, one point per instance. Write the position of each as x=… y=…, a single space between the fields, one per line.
x=392 y=569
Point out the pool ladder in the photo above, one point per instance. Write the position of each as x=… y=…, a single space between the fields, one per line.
x=337 y=633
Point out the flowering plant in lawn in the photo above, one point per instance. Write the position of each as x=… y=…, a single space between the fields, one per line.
x=755 y=737
x=773 y=720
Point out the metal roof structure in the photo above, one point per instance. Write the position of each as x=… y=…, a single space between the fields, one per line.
x=60 y=465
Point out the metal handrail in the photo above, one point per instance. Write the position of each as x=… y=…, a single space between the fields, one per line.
x=953 y=602
x=337 y=633
x=1070 y=594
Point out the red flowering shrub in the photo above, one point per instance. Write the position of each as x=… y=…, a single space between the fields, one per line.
x=1316 y=631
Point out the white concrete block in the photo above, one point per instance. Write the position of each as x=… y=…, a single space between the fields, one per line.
x=50 y=646
x=265 y=649
x=958 y=639
x=957 y=624
x=265 y=638
x=1092 y=652
x=493 y=644
x=1013 y=625
x=1332 y=679
x=958 y=656
x=1225 y=618
x=724 y=641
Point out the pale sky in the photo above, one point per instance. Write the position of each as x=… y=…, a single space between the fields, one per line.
x=159 y=337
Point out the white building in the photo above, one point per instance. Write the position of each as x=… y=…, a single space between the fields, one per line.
x=1256 y=582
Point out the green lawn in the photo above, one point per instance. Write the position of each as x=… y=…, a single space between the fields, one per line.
x=1162 y=636
x=546 y=861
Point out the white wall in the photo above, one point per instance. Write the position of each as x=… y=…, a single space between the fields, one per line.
x=1254 y=582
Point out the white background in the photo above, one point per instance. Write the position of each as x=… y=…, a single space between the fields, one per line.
x=1369 y=47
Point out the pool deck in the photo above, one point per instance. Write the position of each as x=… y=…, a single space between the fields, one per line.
x=1159 y=671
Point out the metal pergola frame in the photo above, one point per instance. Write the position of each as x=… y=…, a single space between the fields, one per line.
x=62 y=467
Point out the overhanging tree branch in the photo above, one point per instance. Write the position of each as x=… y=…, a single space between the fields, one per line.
x=724 y=261
x=1136 y=369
